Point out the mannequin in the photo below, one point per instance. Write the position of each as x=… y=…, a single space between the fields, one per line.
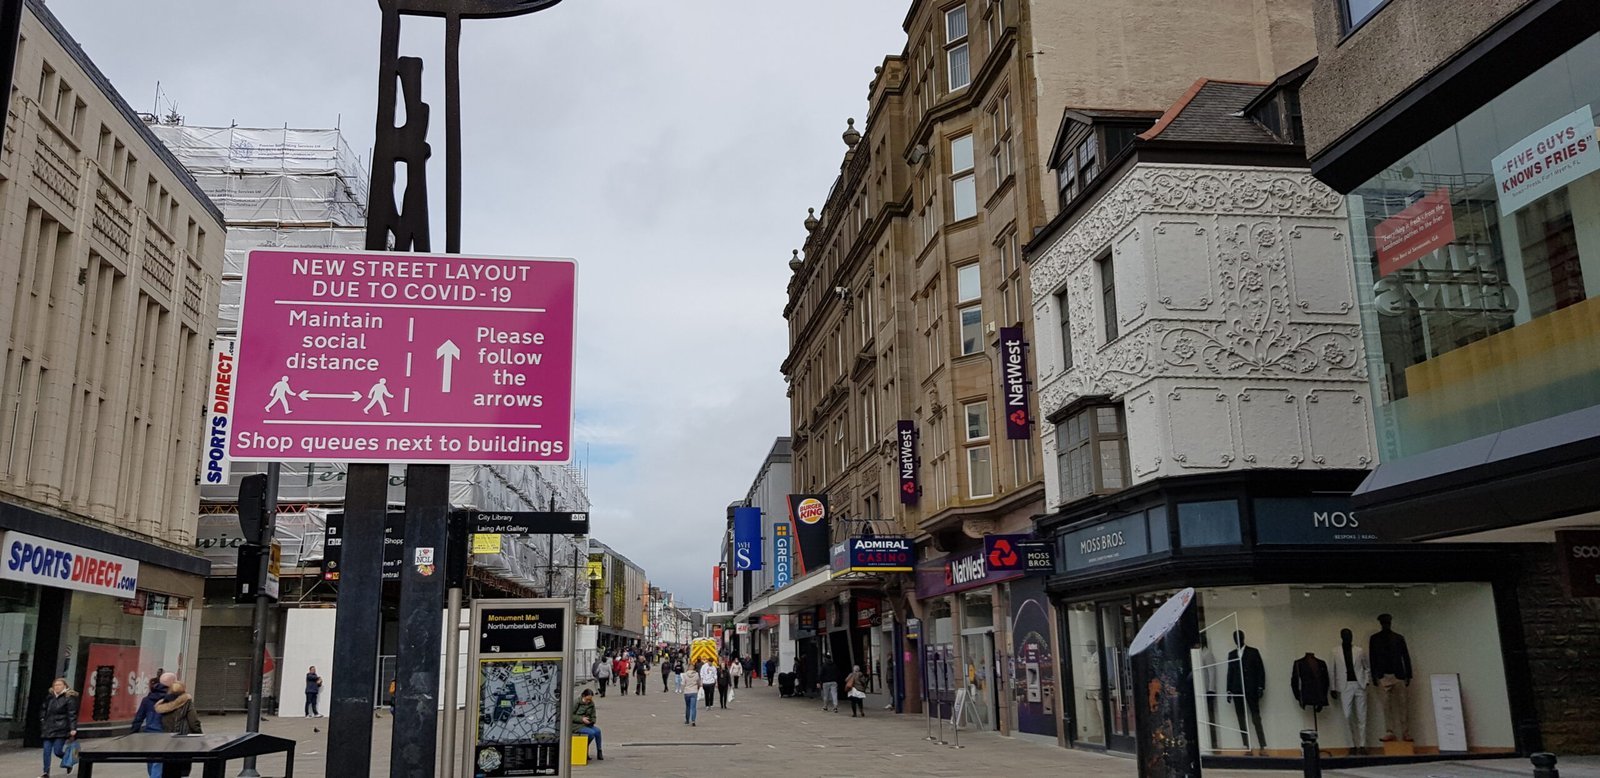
x=1247 y=681
x=1352 y=673
x=1208 y=674
x=1391 y=671
x=1309 y=682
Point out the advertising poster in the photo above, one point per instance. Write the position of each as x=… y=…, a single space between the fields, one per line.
x=747 y=538
x=112 y=686
x=519 y=717
x=1033 y=672
x=1424 y=227
x=808 y=514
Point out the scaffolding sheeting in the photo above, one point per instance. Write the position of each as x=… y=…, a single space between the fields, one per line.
x=242 y=240
x=275 y=152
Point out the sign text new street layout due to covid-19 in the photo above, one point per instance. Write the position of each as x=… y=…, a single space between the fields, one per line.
x=389 y=357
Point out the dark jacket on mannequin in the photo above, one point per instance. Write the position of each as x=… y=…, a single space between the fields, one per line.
x=1254 y=681
x=1309 y=681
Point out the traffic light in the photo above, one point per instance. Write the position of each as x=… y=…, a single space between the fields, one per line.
x=253 y=508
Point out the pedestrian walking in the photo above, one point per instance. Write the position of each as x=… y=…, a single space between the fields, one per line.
x=771 y=669
x=602 y=673
x=736 y=669
x=583 y=723
x=178 y=717
x=829 y=684
x=853 y=684
x=641 y=671
x=666 y=673
x=145 y=719
x=724 y=678
x=619 y=669
x=690 y=682
x=313 y=689
x=708 y=681
x=751 y=665
x=58 y=722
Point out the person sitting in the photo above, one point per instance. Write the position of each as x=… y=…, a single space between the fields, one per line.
x=583 y=718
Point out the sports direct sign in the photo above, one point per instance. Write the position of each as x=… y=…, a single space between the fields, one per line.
x=51 y=563
x=391 y=357
x=219 y=408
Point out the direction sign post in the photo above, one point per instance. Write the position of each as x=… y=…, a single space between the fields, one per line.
x=519 y=695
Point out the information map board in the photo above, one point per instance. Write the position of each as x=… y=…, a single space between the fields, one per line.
x=521 y=695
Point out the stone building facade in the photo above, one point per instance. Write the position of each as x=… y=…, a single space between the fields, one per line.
x=108 y=301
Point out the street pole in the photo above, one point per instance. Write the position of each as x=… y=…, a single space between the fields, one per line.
x=258 y=645
x=459 y=560
x=416 y=707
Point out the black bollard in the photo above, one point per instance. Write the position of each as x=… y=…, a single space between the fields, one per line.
x=1544 y=765
x=1311 y=753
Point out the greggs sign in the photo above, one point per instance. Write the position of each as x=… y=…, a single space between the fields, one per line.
x=51 y=563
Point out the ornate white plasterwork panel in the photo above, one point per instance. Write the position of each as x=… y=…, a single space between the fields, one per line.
x=1182 y=189
x=1320 y=269
x=1183 y=268
x=1145 y=442
x=1269 y=427
x=1340 y=427
x=1200 y=426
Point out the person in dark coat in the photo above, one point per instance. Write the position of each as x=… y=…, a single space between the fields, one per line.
x=178 y=717
x=771 y=668
x=58 y=721
x=145 y=719
x=724 y=680
x=313 y=690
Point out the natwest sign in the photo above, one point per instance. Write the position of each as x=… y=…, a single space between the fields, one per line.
x=1014 y=381
x=390 y=357
x=906 y=460
x=52 y=563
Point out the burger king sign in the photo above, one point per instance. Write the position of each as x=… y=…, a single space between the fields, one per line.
x=809 y=515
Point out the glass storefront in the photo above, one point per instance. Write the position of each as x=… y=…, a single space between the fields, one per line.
x=19 y=623
x=978 y=653
x=118 y=645
x=1482 y=248
x=1270 y=664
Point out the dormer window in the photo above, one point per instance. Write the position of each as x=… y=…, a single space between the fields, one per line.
x=1078 y=168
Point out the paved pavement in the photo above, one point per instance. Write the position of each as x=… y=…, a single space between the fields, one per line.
x=763 y=734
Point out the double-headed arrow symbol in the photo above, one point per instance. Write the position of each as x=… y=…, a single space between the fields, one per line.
x=352 y=396
x=447 y=353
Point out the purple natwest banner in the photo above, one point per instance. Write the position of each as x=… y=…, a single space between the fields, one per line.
x=393 y=357
x=1014 y=381
x=905 y=448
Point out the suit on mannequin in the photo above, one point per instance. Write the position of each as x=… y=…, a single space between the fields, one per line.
x=1391 y=669
x=1309 y=682
x=1247 y=682
x=1352 y=674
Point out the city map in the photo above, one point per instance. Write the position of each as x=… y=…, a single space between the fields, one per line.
x=519 y=715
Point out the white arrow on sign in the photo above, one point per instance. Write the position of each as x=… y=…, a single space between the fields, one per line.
x=448 y=353
x=352 y=396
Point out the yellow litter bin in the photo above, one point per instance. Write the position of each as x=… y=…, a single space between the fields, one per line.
x=580 y=750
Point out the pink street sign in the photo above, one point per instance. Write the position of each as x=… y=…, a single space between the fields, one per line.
x=392 y=357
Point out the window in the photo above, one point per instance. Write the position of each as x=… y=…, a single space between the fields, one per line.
x=1064 y=317
x=957 y=56
x=1091 y=452
x=1000 y=126
x=869 y=418
x=1108 y=296
x=1356 y=12
x=971 y=330
x=968 y=287
x=980 y=472
x=963 y=186
x=977 y=415
x=995 y=21
x=1210 y=523
x=1079 y=167
x=840 y=450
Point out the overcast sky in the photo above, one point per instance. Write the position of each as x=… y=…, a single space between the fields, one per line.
x=672 y=148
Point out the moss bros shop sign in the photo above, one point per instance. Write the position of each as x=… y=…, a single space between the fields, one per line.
x=51 y=563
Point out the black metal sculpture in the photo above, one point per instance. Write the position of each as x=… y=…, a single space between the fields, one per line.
x=405 y=228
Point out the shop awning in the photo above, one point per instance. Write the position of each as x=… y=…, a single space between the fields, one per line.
x=1538 y=471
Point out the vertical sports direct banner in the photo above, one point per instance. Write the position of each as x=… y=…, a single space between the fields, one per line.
x=219 y=413
x=746 y=538
x=808 y=513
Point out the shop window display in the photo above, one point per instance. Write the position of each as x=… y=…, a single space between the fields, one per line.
x=1359 y=664
x=19 y=622
x=1088 y=699
x=120 y=644
x=1482 y=251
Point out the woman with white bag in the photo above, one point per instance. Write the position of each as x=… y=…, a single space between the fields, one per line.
x=852 y=689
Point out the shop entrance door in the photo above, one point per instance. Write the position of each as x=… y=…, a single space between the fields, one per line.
x=977 y=652
x=1117 y=629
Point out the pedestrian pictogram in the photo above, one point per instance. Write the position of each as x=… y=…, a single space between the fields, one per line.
x=384 y=357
